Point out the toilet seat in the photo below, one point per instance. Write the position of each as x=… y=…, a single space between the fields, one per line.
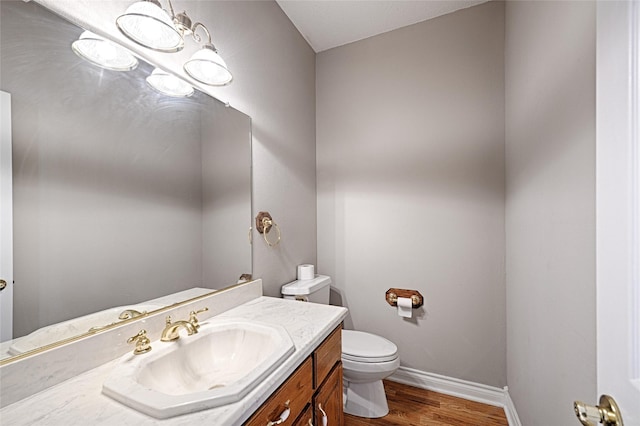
x=359 y=346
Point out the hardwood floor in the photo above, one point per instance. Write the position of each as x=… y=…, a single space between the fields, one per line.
x=413 y=406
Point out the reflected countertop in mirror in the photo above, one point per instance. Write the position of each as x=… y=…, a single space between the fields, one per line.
x=85 y=325
x=121 y=195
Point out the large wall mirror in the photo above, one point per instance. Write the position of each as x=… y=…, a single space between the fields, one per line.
x=121 y=195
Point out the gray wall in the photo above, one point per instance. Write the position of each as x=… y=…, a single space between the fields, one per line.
x=410 y=158
x=550 y=204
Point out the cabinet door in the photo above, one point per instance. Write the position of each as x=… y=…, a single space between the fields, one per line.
x=306 y=418
x=288 y=401
x=327 y=404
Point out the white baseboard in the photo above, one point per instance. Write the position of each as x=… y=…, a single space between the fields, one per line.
x=459 y=388
x=510 y=409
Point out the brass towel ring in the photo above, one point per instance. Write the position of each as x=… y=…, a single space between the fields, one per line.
x=264 y=224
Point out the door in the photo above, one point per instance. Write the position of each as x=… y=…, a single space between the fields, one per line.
x=6 y=220
x=617 y=205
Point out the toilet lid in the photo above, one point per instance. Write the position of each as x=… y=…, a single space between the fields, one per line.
x=367 y=347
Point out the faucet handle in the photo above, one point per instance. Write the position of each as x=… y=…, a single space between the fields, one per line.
x=193 y=317
x=142 y=342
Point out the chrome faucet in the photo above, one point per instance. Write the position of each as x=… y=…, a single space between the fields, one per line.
x=171 y=331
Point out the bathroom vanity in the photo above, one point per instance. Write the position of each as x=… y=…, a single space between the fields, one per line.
x=309 y=381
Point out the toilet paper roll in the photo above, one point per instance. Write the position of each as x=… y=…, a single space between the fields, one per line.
x=405 y=307
x=306 y=272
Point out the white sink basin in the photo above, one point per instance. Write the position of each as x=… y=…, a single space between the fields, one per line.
x=73 y=327
x=219 y=365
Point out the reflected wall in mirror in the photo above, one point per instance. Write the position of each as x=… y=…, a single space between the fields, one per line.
x=121 y=194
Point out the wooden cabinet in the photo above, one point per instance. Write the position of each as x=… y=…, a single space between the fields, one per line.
x=311 y=392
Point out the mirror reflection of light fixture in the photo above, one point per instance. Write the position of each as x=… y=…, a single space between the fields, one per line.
x=169 y=84
x=146 y=23
x=103 y=53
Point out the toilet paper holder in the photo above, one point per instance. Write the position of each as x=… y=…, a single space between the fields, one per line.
x=393 y=293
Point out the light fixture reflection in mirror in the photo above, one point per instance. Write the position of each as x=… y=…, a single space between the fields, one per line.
x=146 y=23
x=103 y=53
x=168 y=84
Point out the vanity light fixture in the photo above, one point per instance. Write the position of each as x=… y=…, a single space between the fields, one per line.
x=208 y=67
x=169 y=84
x=146 y=23
x=103 y=53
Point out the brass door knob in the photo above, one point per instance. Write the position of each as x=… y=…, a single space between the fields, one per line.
x=3 y=285
x=607 y=412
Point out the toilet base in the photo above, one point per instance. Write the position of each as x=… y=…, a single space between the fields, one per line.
x=365 y=399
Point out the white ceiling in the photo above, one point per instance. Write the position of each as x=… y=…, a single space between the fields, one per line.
x=331 y=23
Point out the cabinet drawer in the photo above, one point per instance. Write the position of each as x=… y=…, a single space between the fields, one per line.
x=297 y=390
x=326 y=356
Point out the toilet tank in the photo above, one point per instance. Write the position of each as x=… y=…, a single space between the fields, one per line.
x=315 y=290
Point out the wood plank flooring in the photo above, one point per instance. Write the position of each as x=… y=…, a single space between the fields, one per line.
x=413 y=406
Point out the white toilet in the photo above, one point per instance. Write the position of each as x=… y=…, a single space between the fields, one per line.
x=366 y=358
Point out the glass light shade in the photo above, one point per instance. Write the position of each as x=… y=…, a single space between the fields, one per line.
x=148 y=25
x=208 y=67
x=168 y=84
x=103 y=53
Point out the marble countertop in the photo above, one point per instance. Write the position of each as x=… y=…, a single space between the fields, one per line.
x=79 y=400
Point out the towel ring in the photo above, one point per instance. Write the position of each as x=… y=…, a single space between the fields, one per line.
x=264 y=224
